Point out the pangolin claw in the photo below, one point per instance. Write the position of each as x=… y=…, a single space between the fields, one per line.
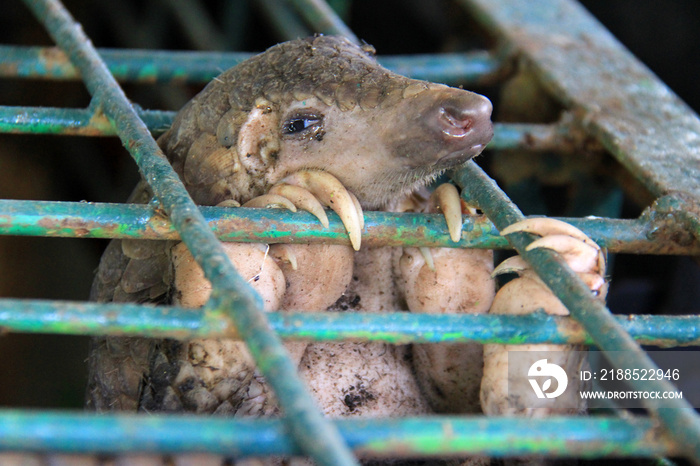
x=581 y=256
x=331 y=192
x=269 y=200
x=284 y=253
x=302 y=199
x=428 y=257
x=446 y=198
x=580 y=252
x=358 y=207
x=545 y=226
x=229 y=203
x=515 y=264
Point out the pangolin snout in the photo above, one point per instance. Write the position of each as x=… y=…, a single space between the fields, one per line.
x=464 y=121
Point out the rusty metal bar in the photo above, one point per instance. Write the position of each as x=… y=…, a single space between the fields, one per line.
x=72 y=121
x=616 y=98
x=127 y=65
x=124 y=319
x=681 y=207
x=655 y=232
x=232 y=297
x=437 y=436
x=634 y=115
x=155 y=66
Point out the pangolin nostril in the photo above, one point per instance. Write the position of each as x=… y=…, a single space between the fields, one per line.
x=457 y=118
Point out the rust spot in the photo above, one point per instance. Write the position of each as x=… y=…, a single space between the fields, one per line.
x=99 y=125
x=54 y=58
x=8 y=69
x=78 y=227
x=529 y=140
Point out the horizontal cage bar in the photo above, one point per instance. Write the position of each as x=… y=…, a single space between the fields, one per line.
x=81 y=318
x=585 y=437
x=137 y=221
x=151 y=66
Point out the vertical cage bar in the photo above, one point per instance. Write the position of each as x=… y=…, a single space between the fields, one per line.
x=323 y=18
x=231 y=297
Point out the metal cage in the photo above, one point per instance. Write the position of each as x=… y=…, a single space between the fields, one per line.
x=608 y=100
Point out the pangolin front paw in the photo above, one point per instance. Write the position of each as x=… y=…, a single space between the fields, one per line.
x=316 y=274
x=444 y=199
x=446 y=280
x=506 y=393
x=580 y=253
x=310 y=190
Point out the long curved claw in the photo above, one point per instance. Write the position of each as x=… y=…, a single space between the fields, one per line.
x=302 y=199
x=284 y=253
x=333 y=194
x=229 y=203
x=428 y=257
x=550 y=227
x=447 y=199
x=358 y=207
x=581 y=256
x=545 y=226
x=267 y=201
x=515 y=264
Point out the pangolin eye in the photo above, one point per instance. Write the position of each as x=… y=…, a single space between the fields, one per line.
x=300 y=123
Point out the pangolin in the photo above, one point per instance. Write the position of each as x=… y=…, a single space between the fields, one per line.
x=308 y=122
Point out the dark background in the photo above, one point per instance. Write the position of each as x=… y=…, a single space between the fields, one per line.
x=49 y=371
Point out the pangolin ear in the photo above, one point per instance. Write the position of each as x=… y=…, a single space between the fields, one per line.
x=258 y=138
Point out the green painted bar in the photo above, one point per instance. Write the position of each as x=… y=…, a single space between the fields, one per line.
x=86 y=318
x=615 y=97
x=101 y=220
x=323 y=19
x=341 y=7
x=152 y=66
x=596 y=319
x=129 y=65
x=231 y=297
x=466 y=68
x=72 y=121
x=582 y=436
